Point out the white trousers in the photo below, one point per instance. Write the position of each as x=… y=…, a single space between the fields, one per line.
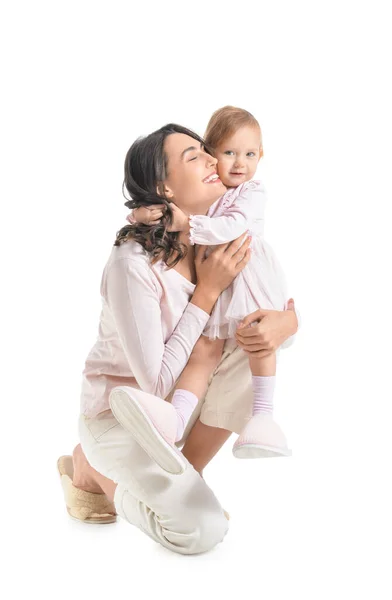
x=178 y=511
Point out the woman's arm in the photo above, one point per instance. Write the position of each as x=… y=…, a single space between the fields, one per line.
x=133 y=298
x=247 y=208
x=134 y=302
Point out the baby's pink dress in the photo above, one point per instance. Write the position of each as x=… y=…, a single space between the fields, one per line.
x=261 y=284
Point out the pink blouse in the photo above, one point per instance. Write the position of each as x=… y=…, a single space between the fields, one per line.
x=147 y=330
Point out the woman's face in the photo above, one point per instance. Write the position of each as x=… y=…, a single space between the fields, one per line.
x=192 y=182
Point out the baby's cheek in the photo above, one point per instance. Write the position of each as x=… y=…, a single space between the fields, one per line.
x=223 y=173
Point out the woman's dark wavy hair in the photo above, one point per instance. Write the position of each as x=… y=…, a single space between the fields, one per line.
x=145 y=169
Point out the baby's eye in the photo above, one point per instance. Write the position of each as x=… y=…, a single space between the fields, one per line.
x=193 y=159
x=251 y=153
x=229 y=152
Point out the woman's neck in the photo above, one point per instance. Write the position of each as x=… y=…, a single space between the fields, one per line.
x=184 y=239
x=186 y=266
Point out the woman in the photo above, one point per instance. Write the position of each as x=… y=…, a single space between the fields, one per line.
x=152 y=319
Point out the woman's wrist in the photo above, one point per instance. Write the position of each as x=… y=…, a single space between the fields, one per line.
x=204 y=298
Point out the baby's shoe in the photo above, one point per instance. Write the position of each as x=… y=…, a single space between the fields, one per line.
x=261 y=438
x=152 y=422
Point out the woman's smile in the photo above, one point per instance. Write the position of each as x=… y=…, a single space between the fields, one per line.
x=212 y=178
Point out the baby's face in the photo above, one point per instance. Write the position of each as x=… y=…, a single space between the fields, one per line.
x=238 y=156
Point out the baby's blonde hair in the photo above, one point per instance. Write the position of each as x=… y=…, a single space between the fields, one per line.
x=225 y=122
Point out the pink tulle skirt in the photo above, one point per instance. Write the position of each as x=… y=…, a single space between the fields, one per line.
x=261 y=284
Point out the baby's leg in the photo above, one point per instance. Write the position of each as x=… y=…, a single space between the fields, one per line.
x=263 y=366
x=263 y=382
x=193 y=382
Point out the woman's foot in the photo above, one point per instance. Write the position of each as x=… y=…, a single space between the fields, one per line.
x=83 y=477
x=85 y=500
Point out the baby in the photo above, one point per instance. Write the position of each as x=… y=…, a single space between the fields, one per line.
x=234 y=137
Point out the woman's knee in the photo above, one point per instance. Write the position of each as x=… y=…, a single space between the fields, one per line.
x=207 y=531
x=212 y=531
x=183 y=531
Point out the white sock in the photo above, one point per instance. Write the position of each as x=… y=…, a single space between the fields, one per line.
x=185 y=403
x=263 y=394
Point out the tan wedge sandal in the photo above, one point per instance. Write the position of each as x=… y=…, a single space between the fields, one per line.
x=81 y=505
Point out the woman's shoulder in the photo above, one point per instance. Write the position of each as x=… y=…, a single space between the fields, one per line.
x=130 y=253
x=129 y=250
x=129 y=260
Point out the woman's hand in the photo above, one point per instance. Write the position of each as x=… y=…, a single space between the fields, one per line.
x=216 y=273
x=270 y=329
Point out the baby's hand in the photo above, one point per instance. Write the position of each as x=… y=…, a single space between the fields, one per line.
x=148 y=215
x=180 y=220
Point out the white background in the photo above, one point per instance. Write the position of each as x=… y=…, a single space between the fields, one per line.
x=80 y=81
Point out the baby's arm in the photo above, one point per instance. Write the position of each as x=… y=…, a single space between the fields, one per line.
x=148 y=215
x=245 y=211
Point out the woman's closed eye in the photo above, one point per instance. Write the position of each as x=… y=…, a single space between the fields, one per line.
x=202 y=152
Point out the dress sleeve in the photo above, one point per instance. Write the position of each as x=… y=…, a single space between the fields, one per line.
x=246 y=211
x=133 y=299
